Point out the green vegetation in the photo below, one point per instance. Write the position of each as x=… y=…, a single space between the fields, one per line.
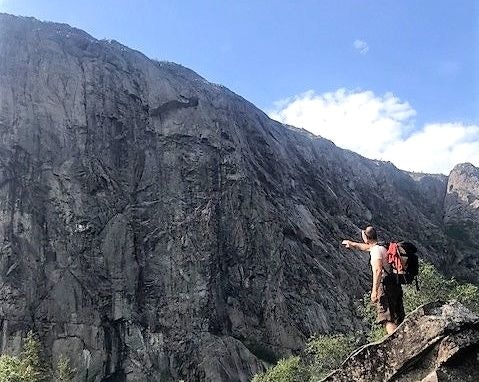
x=286 y=370
x=434 y=286
x=64 y=372
x=321 y=355
x=324 y=353
x=374 y=332
x=10 y=369
x=30 y=367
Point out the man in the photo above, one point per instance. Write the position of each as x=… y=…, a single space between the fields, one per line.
x=386 y=292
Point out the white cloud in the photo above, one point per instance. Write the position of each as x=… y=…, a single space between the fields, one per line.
x=361 y=46
x=381 y=127
x=436 y=148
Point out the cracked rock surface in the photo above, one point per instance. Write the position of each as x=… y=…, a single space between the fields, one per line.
x=157 y=227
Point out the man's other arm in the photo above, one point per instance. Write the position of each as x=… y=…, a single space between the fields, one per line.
x=377 y=267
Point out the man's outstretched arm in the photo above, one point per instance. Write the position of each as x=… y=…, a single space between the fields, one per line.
x=355 y=245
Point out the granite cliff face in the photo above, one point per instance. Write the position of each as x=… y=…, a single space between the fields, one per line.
x=158 y=227
x=461 y=216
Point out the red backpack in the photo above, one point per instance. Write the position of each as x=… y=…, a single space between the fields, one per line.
x=404 y=261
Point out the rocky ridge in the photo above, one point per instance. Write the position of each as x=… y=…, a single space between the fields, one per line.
x=436 y=343
x=158 y=227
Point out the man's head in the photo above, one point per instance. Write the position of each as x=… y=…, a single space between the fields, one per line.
x=369 y=235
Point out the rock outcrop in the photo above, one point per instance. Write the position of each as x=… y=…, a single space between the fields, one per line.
x=461 y=218
x=436 y=343
x=156 y=227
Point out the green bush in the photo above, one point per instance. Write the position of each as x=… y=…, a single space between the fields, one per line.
x=286 y=370
x=322 y=354
x=367 y=310
x=468 y=295
x=434 y=286
x=327 y=352
x=10 y=369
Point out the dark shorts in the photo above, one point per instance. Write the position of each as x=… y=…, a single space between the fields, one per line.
x=390 y=305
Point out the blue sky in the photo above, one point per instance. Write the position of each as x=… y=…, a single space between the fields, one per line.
x=419 y=56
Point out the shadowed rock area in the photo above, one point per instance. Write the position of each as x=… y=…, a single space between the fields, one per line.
x=436 y=343
x=157 y=227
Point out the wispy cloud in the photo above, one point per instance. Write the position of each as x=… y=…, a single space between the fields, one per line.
x=381 y=127
x=361 y=46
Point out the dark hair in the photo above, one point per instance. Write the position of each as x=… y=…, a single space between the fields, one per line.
x=371 y=233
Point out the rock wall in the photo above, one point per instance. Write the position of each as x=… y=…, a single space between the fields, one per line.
x=158 y=227
x=461 y=218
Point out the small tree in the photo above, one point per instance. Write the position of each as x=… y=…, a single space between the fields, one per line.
x=26 y=368
x=31 y=366
x=64 y=371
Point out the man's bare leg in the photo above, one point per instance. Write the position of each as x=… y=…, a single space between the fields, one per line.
x=390 y=327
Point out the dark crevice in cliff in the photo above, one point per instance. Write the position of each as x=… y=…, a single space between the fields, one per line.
x=115 y=350
x=170 y=106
